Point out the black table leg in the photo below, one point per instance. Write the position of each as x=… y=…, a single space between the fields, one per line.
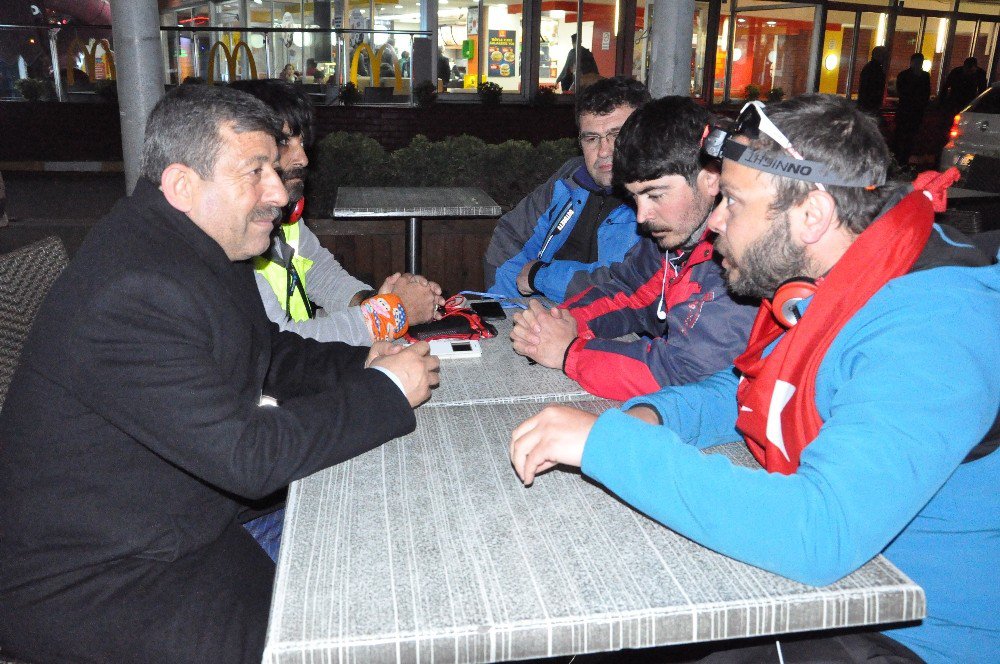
x=413 y=245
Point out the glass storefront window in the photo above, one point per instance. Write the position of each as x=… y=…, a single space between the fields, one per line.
x=288 y=46
x=771 y=51
x=845 y=53
x=988 y=8
x=482 y=42
x=396 y=16
x=931 y=5
x=640 y=49
x=932 y=47
x=459 y=32
x=558 y=62
x=698 y=36
x=599 y=33
x=721 y=59
x=190 y=49
x=986 y=46
x=877 y=3
x=976 y=39
x=503 y=46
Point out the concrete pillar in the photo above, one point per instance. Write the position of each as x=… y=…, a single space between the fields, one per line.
x=670 y=48
x=139 y=65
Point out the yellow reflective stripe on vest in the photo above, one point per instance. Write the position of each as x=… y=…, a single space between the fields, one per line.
x=277 y=277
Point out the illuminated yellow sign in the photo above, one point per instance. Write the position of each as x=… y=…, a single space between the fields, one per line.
x=375 y=58
x=90 y=60
x=232 y=59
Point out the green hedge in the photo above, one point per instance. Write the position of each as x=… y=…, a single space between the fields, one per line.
x=507 y=172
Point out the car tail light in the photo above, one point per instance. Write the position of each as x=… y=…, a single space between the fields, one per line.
x=955 y=131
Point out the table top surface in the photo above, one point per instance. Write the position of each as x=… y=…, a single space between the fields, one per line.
x=430 y=549
x=501 y=376
x=369 y=202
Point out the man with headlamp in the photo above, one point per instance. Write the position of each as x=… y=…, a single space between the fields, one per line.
x=862 y=393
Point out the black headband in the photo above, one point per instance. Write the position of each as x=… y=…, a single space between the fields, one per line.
x=787 y=166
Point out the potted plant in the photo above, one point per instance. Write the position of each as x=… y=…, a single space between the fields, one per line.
x=349 y=94
x=107 y=89
x=751 y=92
x=775 y=94
x=30 y=88
x=546 y=95
x=425 y=94
x=490 y=93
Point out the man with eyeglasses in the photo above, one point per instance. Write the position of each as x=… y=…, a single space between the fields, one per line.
x=669 y=288
x=575 y=221
x=868 y=392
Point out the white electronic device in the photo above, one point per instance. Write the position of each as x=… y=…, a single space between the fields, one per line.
x=449 y=348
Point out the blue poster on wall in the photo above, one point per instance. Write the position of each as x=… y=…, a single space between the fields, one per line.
x=501 y=53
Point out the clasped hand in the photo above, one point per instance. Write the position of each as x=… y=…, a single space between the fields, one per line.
x=543 y=334
x=421 y=297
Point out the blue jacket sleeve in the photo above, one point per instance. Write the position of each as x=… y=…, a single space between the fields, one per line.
x=615 y=238
x=903 y=402
x=515 y=228
x=506 y=274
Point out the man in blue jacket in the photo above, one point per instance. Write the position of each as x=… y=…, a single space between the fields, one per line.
x=865 y=392
x=575 y=221
x=669 y=288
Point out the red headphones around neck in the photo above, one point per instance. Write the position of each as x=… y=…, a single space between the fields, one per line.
x=296 y=212
x=787 y=298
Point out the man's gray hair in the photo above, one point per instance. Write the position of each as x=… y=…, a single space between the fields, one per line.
x=184 y=127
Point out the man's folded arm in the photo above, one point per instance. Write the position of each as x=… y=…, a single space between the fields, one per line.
x=300 y=366
x=146 y=364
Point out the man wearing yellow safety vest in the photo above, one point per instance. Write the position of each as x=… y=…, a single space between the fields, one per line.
x=303 y=287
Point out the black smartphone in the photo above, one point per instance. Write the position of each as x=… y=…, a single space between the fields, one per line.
x=489 y=310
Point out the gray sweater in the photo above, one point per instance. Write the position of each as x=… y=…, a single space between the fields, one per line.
x=330 y=286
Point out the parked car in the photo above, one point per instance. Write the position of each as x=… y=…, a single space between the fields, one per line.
x=976 y=130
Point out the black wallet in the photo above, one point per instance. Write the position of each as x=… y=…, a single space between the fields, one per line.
x=456 y=327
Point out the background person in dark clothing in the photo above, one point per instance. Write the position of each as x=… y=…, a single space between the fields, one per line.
x=444 y=69
x=871 y=87
x=571 y=73
x=913 y=87
x=963 y=84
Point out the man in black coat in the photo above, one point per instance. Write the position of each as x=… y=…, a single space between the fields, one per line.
x=871 y=84
x=913 y=87
x=963 y=84
x=134 y=439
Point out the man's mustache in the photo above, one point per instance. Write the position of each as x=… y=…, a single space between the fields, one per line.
x=293 y=174
x=268 y=212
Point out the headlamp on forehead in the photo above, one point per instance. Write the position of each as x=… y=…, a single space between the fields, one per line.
x=751 y=123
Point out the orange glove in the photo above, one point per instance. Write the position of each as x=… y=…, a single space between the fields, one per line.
x=385 y=316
